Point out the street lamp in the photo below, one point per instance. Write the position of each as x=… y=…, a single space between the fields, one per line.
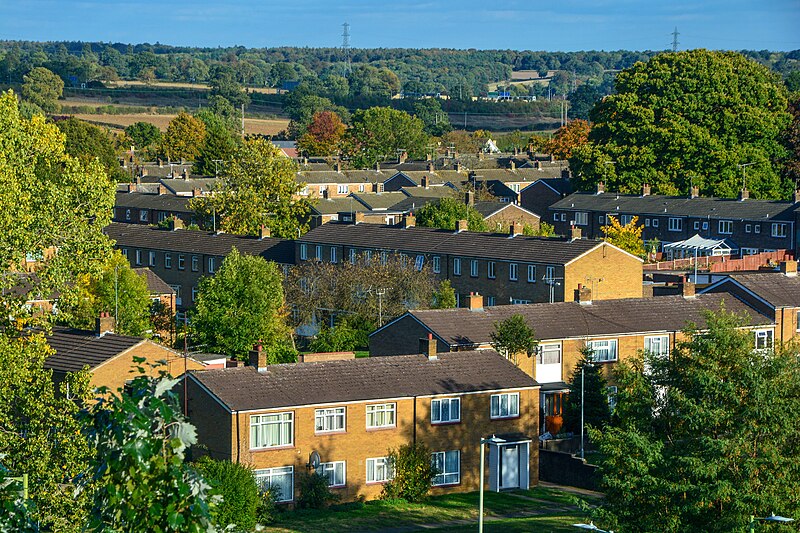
x=771 y=518
x=583 y=368
x=491 y=440
x=591 y=527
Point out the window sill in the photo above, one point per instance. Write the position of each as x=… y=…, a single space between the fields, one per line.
x=446 y=485
x=382 y=428
x=334 y=432
x=368 y=483
x=270 y=448
x=503 y=417
x=449 y=423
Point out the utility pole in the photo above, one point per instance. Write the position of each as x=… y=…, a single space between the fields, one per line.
x=116 y=297
x=380 y=293
x=242 y=121
x=216 y=169
x=346 y=67
x=675 y=40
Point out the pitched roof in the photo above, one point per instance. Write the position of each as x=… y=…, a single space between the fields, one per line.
x=155 y=285
x=434 y=178
x=778 y=289
x=679 y=206
x=184 y=187
x=311 y=177
x=436 y=191
x=161 y=202
x=559 y=185
x=379 y=200
x=427 y=240
x=331 y=206
x=564 y=320
x=78 y=348
x=369 y=378
x=506 y=175
x=198 y=242
x=487 y=209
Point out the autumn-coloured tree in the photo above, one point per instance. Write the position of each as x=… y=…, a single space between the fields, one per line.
x=184 y=137
x=323 y=135
x=627 y=237
x=567 y=138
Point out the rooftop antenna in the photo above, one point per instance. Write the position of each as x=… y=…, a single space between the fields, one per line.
x=744 y=177
x=346 y=66
x=675 y=42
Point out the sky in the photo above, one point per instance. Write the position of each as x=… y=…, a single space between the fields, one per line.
x=556 y=25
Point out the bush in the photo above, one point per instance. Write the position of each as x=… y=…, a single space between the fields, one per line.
x=238 y=488
x=315 y=492
x=413 y=473
x=267 y=508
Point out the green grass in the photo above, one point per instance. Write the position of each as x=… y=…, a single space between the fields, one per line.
x=561 y=523
x=381 y=514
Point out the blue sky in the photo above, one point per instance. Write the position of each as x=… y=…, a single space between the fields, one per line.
x=564 y=25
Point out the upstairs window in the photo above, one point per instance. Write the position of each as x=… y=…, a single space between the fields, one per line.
x=778 y=230
x=270 y=431
x=725 y=227
x=504 y=405
x=581 y=219
x=457 y=266
x=675 y=224
x=445 y=410
x=603 y=351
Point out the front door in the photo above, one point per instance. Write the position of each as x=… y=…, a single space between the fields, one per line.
x=509 y=467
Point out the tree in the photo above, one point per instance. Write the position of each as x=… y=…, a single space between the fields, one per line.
x=513 y=336
x=219 y=144
x=596 y=412
x=351 y=332
x=143 y=134
x=88 y=142
x=184 y=137
x=627 y=237
x=445 y=214
x=240 y=306
x=445 y=297
x=688 y=118
x=583 y=99
x=792 y=139
x=430 y=111
x=413 y=472
x=378 y=133
x=323 y=135
x=43 y=88
x=258 y=187
x=143 y=482
x=222 y=79
x=237 y=486
x=567 y=138
x=704 y=438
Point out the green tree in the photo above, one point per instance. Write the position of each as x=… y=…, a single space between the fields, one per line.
x=257 y=188
x=351 y=332
x=627 y=237
x=222 y=79
x=184 y=137
x=237 y=486
x=792 y=139
x=596 y=412
x=219 y=144
x=445 y=213
x=323 y=135
x=378 y=133
x=704 y=438
x=445 y=297
x=240 y=306
x=513 y=336
x=583 y=99
x=88 y=142
x=143 y=134
x=43 y=88
x=413 y=472
x=688 y=118
x=143 y=481
x=436 y=121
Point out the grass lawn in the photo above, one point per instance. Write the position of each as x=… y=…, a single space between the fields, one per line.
x=380 y=515
x=560 y=523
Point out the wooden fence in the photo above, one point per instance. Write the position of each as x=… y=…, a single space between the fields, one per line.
x=721 y=263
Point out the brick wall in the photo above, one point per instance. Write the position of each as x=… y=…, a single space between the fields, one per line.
x=621 y=275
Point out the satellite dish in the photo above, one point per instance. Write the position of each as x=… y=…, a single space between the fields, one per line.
x=313 y=460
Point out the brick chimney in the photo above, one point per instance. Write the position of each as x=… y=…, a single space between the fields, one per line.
x=744 y=194
x=131 y=187
x=645 y=190
x=475 y=302
x=601 y=187
x=428 y=347
x=431 y=167
x=160 y=164
x=789 y=268
x=458 y=167
x=104 y=324
x=325 y=193
x=186 y=173
x=403 y=157
x=144 y=172
x=583 y=295
x=409 y=221
x=175 y=223
x=162 y=189
x=688 y=289
x=515 y=229
x=694 y=192
x=377 y=166
x=358 y=217
x=338 y=167
x=264 y=232
x=196 y=191
x=461 y=225
x=575 y=233
x=377 y=187
x=797 y=196
x=258 y=357
x=512 y=165
x=469 y=198
x=424 y=182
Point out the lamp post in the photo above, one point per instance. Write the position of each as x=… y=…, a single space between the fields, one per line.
x=591 y=527
x=771 y=518
x=583 y=368
x=490 y=440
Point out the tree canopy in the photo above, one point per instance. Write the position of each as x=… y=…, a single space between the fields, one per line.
x=513 y=336
x=567 y=138
x=183 y=138
x=627 y=237
x=378 y=133
x=323 y=135
x=43 y=88
x=596 y=412
x=143 y=134
x=86 y=142
x=445 y=213
x=689 y=118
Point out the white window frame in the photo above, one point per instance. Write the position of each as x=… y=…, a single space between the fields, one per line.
x=318 y=252
x=195 y=292
x=437 y=265
x=195 y=263
x=151 y=258
x=555 y=217
x=259 y=423
x=504 y=405
x=778 y=230
x=445 y=410
x=647 y=222
x=756 y=228
x=513 y=271
x=330 y=420
x=490 y=301
x=748 y=228
x=581 y=218
x=181 y=262
x=607 y=347
x=342 y=189
x=352 y=256
x=696 y=224
x=444 y=476
x=473 y=268
x=144 y=216
x=675 y=224
x=705 y=225
x=212 y=267
x=550 y=273
x=335 y=471
x=127 y=214
x=611 y=393
x=490 y=270
x=381 y=410
x=531 y=273
x=379 y=470
x=303 y=251
x=334 y=259
x=457 y=266
x=552 y=348
x=655 y=222
x=725 y=227
x=264 y=480
x=138 y=257
x=764 y=339
x=657 y=345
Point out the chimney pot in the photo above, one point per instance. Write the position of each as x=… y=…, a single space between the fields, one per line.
x=475 y=301
x=264 y=232
x=428 y=347
x=512 y=165
x=789 y=268
x=104 y=324
x=744 y=194
x=430 y=167
x=583 y=295
x=469 y=198
x=694 y=192
x=575 y=233
x=258 y=357
x=601 y=187
x=645 y=190
x=461 y=225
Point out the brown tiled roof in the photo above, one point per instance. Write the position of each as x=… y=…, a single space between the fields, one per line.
x=78 y=348
x=198 y=242
x=370 y=378
x=774 y=287
x=564 y=320
x=155 y=284
x=426 y=240
x=331 y=206
x=436 y=191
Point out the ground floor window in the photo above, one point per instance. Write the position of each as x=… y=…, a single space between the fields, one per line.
x=379 y=470
x=334 y=472
x=447 y=466
x=278 y=480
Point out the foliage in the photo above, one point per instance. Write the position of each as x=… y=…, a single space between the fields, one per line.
x=219 y=144
x=705 y=438
x=323 y=135
x=430 y=111
x=223 y=83
x=184 y=137
x=240 y=306
x=302 y=104
x=688 y=118
x=445 y=297
x=267 y=509
x=43 y=88
x=513 y=336
x=596 y=412
x=235 y=483
x=49 y=201
x=378 y=133
x=568 y=138
x=40 y=435
x=87 y=142
x=627 y=237
x=583 y=99
x=16 y=512
x=545 y=229
x=413 y=473
x=143 y=481
x=143 y=134
x=350 y=333
x=462 y=141
x=314 y=491
x=445 y=213
x=791 y=168
x=257 y=188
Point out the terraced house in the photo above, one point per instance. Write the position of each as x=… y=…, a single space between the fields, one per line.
x=350 y=413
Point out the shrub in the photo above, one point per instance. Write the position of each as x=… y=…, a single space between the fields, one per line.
x=315 y=492
x=238 y=488
x=413 y=473
x=267 y=508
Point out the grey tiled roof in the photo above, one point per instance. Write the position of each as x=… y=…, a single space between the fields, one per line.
x=571 y=319
x=78 y=348
x=679 y=205
x=155 y=284
x=370 y=378
x=312 y=177
x=379 y=200
x=185 y=187
x=437 y=191
x=331 y=206
x=774 y=287
x=162 y=202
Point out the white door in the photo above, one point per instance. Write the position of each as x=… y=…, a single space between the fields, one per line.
x=509 y=467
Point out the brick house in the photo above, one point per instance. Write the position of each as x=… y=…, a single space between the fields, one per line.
x=272 y=420
x=143 y=208
x=544 y=192
x=506 y=268
x=614 y=329
x=748 y=226
x=181 y=257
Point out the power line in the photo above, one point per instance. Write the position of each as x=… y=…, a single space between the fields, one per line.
x=347 y=68
x=675 y=39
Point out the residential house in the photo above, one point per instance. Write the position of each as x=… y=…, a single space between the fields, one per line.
x=134 y=207
x=544 y=192
x=271 y=419
x=339 y=182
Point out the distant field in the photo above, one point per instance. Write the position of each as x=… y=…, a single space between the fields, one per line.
x=182 y=85
x=251 y=125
